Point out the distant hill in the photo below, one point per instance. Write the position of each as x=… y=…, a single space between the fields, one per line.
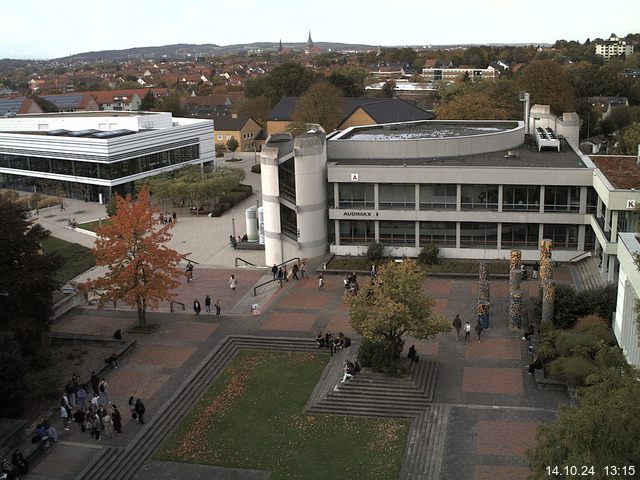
x=186 y=50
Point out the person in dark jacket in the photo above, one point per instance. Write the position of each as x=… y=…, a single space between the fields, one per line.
x=95 y=383
x=139 y=408
x=117 y=419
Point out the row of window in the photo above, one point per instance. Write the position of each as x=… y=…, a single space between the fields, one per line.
x=472 y=197
x=106 y=171
x=472 y=234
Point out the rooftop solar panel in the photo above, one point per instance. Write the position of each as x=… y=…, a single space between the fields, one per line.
x=113 y=133
x=65 y=102
x=58 y=132
x=83 y=133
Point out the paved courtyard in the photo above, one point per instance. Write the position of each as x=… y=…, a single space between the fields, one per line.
x=494 y=406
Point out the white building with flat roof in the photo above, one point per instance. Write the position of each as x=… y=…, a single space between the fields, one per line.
x=89 y=155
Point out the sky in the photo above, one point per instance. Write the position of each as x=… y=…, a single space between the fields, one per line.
x=42 y=29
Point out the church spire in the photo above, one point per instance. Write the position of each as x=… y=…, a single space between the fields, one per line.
x=309 y=42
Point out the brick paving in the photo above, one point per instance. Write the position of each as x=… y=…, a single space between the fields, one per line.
x=495 y=406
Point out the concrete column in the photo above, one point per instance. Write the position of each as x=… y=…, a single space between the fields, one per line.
x=377 y=230
x=458 y=225
x=611 y=274
x=336 y=195
x=499 y=236
x=614 y=225
x=583 y=200
x=336 y=228
x=500 y=197
x=458 y=199
x=376 y=198
x=541 y=202
x=417 y=197
x=271 y=205
x=581 y=237
x=599 y=208
x=417 y=230
x=311 y=195
x=607 y=220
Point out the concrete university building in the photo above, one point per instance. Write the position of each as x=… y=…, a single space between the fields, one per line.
x=90 y=155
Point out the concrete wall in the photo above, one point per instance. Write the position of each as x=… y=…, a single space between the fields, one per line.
x=625 y=327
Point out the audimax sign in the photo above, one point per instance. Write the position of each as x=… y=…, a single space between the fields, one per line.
x=359 y=213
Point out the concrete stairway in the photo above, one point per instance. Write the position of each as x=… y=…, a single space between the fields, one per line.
x=586 y=274
x=122 y=464
x=374 y=394
x=425 y=446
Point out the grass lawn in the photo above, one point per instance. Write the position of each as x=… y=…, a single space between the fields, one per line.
x=92 y=226
x=252 y=417
x=444 y=265
x=75 y=258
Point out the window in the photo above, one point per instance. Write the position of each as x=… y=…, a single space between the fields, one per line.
x=479 y=197
x=521 y=197
x=520 y=235
x=438 y=197
x=356 y=232
x=564 y=237
x=397 y=196
x=398 y=233
x=441 y=234
x=289 y=222
x=480 y=235
x=561 y=199
x=356 y=195
x=592 y=200
x=287 y=179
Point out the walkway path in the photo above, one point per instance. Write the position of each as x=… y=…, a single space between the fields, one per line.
x=485 y=405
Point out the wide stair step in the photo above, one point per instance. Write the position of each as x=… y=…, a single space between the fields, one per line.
x=425 y=447
x=587 y=276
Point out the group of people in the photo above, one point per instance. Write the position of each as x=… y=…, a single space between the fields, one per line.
x=281 y=273
x=16 y=466
x=333 y=343
x=234 y=241
x=457 y=324
x=207 y=306
x=351 y=283
x=167 y=218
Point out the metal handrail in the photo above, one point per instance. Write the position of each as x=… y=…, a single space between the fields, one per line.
x=175 y=301
x=255 y=289
x=245 y=261
x=581 y=256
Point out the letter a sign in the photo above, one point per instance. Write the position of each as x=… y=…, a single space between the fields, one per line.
x=354 y=177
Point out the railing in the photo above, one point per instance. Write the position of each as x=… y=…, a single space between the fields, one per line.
x=581 y=256
x=255 y=289
x=175 y=301
x=246 y=262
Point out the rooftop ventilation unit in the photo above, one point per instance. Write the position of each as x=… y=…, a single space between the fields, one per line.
x=546 y=138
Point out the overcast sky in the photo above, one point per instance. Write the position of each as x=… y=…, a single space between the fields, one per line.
x=50 y=29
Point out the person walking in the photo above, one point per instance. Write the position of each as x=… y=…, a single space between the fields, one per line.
x=189 y=272
x=132 y=408
x=107 y=424
x=139 y=408
x=196 y=307
x=294 y=271
x=207 y=304
x=81 y=397
x=479 y=328
x=117 y=419
x=95 y=383
x=285 y=273
x=274 y=272
x=64 y=413
x=280 y=277
x=467 y=332
x=96 y=426
x=321 y=281
x=303 y=270
x=457 y=324
x=217 y=305
x=104 y=392
x=233 y=282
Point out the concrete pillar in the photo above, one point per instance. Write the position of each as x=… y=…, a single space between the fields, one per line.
x=583 y=200
x=458 y=199
x=458 y=229
x=607 y=220
x=336 y=230
x=311 y=195
x=581 y=237
x=500 y=197
x=614 y=225
x=541 y=202
x=611 y=273
x=599 y=208
x=548 y=300
x=271 y=204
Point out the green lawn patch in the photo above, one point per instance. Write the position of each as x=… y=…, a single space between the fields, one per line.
x=252 y=417
x=93 y=225
x=444 y=265
x=76 y=259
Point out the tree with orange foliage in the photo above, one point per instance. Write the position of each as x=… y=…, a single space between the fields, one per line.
x=141 y=269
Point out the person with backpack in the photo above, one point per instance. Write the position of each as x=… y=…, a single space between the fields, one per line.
x=139 y=409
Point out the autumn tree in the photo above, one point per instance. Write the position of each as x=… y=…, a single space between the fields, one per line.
x=170 y=103
x=141 y=270
x=389 y=89
x=473 y=105
x=394 y=306
x=232 y=144
x=321 y=104
x=629 y=143
x=600 y=430
x=548 y=84
x=288 y=79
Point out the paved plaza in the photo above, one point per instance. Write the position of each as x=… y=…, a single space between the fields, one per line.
x=493 y=406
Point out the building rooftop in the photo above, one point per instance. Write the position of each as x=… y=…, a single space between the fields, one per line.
x=523 y=156
x=623 y=172
x=425 y=130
